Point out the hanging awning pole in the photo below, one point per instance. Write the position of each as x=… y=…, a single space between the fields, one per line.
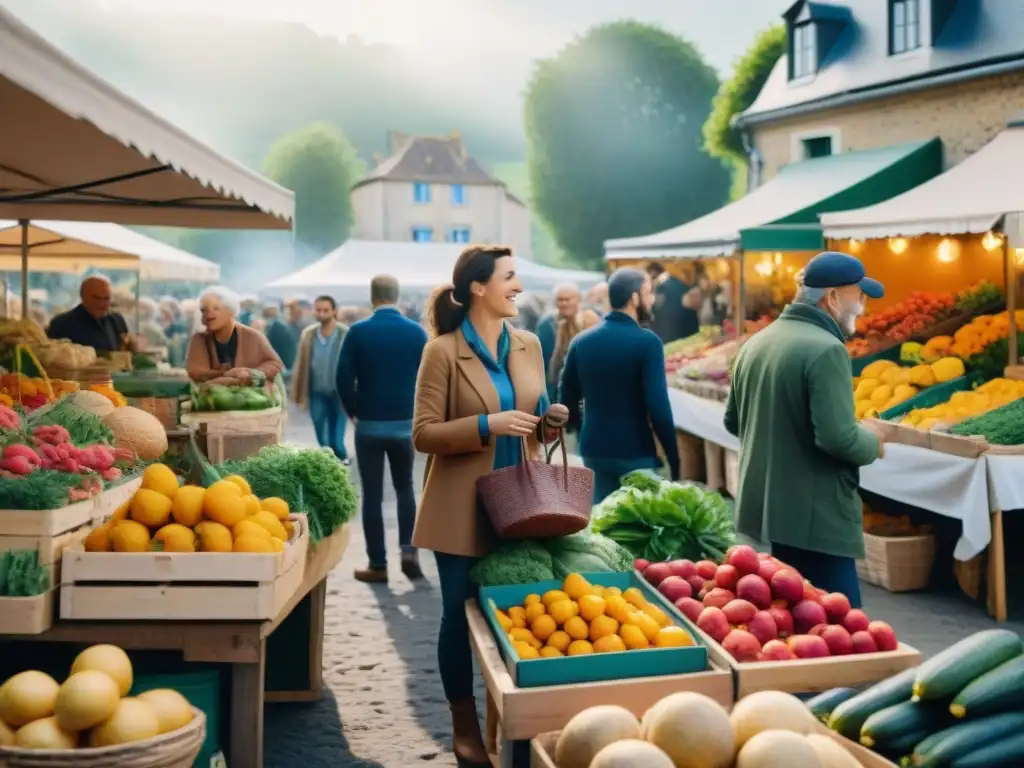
x=138 y=297
x=24 y=268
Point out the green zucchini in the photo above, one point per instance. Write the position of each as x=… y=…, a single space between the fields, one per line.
x=998 y=690
x=903 y=746
x=821 y=706
x=942 y=748
x=849 y=717
x=1005 y=752
x=947 y=673
x=887 y=725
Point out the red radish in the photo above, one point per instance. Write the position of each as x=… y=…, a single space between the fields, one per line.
x=836 y=606
x=763 y=627
x=726 y=577
x=17 y=465
x=718 y=597
x=706 y=569
x=856 y=621
x=883 y=635
x=806 y=615
x=755 y=589
x=713 y=623
x=777 y=650
x=838 y=639
x=808 y=647
x=739 y=611
x=640 y=564
x=783 y=621
x=787 y=585
x=818 y=629
x=863 y=642
x=675 y=588
x=767 y=569
x=741 y=645
x=696 y=583
x=656 y=573
x=20 y=449
x=690 y=608
x=110 y=474
x=684 y=568
x=743 y=558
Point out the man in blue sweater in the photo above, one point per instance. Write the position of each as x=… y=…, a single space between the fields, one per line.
x=614 y=385
x=377 y=384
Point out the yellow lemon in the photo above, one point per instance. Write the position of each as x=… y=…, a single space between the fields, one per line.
x=553 y=596
x=289 y=527
x=160 y=478
x=531 y=599
x=646 y=624
x=121 y=513
x=98 y=539
x=591 y=606
x=575 y=586
x=214 y=537
x=252 y=506
x=518 y=616
x=547 y=652
x=176 y=538
x=130 y=536
x=611 y=592
x=253 y=545
x=520 y=634
x=241 y=482
x=150 y=508
x=249 y=528
x=223 y=503
x=609 y=644
x=543 y=627
x=187 y=505
x=657 y=614
x=597 y=589
x=577 y=628
x=559 y=640
x=579 y=648
x=617 y=607
x=673 y=637
x=635 y=597
x=271 y=523
x=602 y=626
x=227 y=486
x=525 y=650
x=503 y=620
x=533 y=611
x=563 y=610
x=278 y=506
x=276 y=544
x=633 y=637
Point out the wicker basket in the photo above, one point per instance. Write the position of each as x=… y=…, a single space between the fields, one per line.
x=897 y=563
x=177 y=749
x=167 y=410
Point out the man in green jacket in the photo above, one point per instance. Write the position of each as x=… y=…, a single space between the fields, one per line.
x=791 y=406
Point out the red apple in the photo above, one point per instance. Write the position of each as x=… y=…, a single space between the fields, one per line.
x=763 y=627
x=817 y=629
x=674 y=587
x=807 y=646
x=776 y=650
x=696 y=583
x=863 y=642
x=741 y=645
x=739 y=611
x=684 y=568
x=783 y=621
x=812 y=593
x=807 y=614
x=883 y=635
x=640 y=564
x=838 y=639
x=765 y=556
x=656 y=573
x=713 y=623
x=726 y=577
x=689 y=607
x=787 y=585
x=856 y=621
x=767 y=569
x=706 y=569
x=836 y=606
x=743 y=558
x=718 y=597
x=755 y=590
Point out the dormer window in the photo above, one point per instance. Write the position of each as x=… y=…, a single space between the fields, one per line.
x=803 y=50
x=904 y=26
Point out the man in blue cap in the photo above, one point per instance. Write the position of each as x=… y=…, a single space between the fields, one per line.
x=801 y=446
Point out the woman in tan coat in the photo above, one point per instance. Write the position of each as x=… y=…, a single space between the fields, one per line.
x=480 y=392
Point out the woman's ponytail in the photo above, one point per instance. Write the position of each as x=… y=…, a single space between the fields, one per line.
x=449 y=304
x=444 y=312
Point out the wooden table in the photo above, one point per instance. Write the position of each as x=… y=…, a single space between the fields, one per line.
x=243 y=645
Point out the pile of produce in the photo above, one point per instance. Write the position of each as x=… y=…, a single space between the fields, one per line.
x=761 y=609
x=768 y=729
x=32 y=392
x=163 y=516
x=116 y=398
x=90 y=709
x=963 y=405
x=21 y=575
x=311 y=480
x=583 y=618
x=983 y=295
x=529 y=561
x=900 y=322
x=64 y=355
x=750 y=327
x=219 y=395
x=1001 y=426
x=660 y=520
x=963 y=707
x=682 y=351
x=879 y=524
x=884 y=384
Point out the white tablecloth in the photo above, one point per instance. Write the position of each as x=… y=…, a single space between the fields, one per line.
x=1005 y=481
x=701 y=417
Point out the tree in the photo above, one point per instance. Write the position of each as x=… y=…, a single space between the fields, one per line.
x=614 y=146
x=721 y=139
x=320 y=166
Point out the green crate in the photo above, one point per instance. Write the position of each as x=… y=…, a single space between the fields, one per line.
x=592 y=668
x=150 y=385
x=860 y=363
x=935 y=395
x=203 y=690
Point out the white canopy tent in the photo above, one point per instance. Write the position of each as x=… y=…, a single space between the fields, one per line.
x=346 y=272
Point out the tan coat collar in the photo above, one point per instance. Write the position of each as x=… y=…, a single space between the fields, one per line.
x=480 y=379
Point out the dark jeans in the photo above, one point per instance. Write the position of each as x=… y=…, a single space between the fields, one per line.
x=454 y=656
x=606 y=482
x=829 y=572
x=329 y=422
x=370 y=453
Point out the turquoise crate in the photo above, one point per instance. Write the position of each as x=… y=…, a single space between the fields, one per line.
x=935 y=395
x=592 y=668
x=203 y=691
x=860 y=363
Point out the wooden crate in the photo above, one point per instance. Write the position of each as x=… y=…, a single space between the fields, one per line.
x=180 y=586
x=236 y=435
x=46 y=522
x=943 y=442
x=732 y=473
x=27 y=615
x=691 y=456
x=897 y=563
x=714 y=463
x=112 y=498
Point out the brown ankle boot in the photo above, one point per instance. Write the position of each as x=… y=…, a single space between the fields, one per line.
x=467 y=741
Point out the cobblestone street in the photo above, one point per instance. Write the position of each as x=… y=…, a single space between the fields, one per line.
x=385 y=706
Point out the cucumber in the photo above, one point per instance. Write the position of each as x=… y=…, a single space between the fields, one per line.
x=903 y=746
x=947 y=673
x=821 y=706
x=942 y=748
x=849 y=717
x=1005 y=752
x=889 y=724
x=998 y=690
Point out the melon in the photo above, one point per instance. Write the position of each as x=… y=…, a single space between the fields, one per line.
x=767 y=711
x=137 y=431
x=172 y=709
x=27 y=696
x=631 y=753
x=831 y=754
x=133 y=720
x=772 y=749
x=86 y=699
x=45 y=734
x=693 y=730
x=591 y=731
x=109 y=659
x=6 y=735
x=93 y=402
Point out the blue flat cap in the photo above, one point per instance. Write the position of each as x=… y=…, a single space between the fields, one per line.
x=832 y=269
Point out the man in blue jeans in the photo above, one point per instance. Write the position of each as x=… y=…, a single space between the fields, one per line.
x=377 y=384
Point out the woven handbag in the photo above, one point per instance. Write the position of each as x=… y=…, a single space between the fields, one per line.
x=538 y=499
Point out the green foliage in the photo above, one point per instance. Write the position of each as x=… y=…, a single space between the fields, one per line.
x=736 y=94
x=613 y=133
x=320 y=166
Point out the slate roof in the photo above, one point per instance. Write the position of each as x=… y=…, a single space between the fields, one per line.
x=980 y=37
